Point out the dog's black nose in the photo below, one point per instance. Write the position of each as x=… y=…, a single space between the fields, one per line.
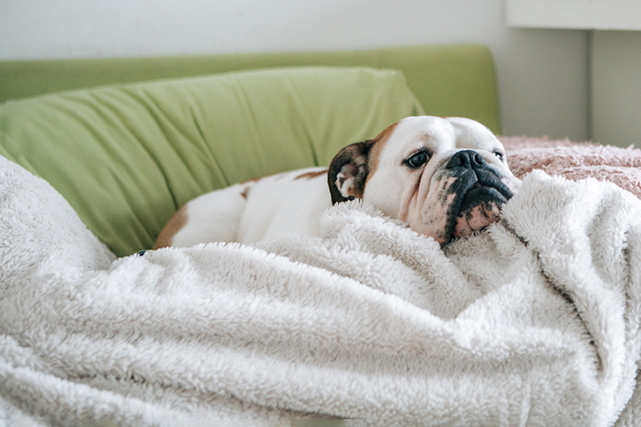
x=468 y=159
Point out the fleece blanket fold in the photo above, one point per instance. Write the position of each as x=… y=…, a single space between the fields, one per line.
x=533 y=322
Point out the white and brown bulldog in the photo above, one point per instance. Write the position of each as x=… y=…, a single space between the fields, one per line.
x=445 y=177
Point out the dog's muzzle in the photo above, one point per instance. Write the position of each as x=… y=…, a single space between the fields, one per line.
x=475 y=196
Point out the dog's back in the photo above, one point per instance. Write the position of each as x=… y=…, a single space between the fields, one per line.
x=289 y=202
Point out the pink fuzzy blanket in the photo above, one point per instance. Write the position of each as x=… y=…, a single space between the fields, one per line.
x=575 y=161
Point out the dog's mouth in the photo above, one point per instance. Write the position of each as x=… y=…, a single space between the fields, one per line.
x=479 y=199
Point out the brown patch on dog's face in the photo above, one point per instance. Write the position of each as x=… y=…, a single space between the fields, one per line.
x=377 y=148
x=310 y=175
x=175 y=224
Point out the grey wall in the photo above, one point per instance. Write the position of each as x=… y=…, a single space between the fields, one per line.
x=616 y=87
x=543 y=74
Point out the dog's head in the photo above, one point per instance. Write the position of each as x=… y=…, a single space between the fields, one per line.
x=444 y=177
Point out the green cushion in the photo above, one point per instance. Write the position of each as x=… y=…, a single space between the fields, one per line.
x=126 y=157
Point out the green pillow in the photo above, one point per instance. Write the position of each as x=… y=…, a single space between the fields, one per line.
x=127 y=157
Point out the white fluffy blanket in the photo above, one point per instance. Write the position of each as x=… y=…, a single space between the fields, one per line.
x=535 y=322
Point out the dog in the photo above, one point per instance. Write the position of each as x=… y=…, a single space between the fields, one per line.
x=444 y=177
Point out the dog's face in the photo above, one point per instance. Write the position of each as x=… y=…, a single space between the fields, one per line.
x=444 y=177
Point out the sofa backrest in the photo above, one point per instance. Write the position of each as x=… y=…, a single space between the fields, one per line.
x=448 y=80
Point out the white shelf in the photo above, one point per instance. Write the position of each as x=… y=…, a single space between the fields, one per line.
x=575 y=14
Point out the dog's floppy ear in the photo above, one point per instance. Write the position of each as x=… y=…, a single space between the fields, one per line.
x=348 y=171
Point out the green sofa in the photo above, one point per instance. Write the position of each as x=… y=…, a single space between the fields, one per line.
x=129 y=141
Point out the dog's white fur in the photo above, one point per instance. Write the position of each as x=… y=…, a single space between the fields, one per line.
x=292 y=202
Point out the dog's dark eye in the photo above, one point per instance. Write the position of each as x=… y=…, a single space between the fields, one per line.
x=417 y=160
x=499 y=155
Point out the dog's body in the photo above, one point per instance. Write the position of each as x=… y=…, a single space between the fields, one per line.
x=290 y=202
x=444 y=177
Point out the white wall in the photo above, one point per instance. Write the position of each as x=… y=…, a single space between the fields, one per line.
x=543 y=74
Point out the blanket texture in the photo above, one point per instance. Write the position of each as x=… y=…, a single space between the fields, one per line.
x=534 y=322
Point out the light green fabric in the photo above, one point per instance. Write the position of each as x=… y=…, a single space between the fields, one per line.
x=448 y=80
x=126 y=157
